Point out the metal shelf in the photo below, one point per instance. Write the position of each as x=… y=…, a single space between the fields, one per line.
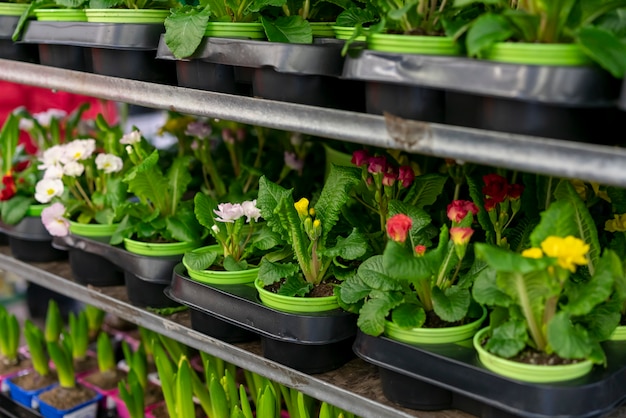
x=600 y=163
x=354 y=387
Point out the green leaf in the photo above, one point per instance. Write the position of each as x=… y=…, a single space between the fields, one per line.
x=604 y=48
x=353 y=290
x=503 y=260
x=584 y=296
x=567 y=339
x=349 y=248
x=148 y=183
x=451 y=304
x=273 y=272
x=295 y=286
x=558 y=220
x=373 y=313
x=335 y=194
x=353 y=16
x=106 y=356
x=464 y=3
x=486 y=291
x=409 y=315
x=602 y=320
x=425 y=190
x=184 y=30
x=476 y=193
x=14 y=209
x=288 y=29
x=508 y=339
x=103 y=4
x=9 y=136
x=184 y=389
x=178 y=177
x=265 y=239
x=488 y=29
x=400 y=263
x=200 y=260
x=270 y=198
x=230 y=264
x=204 y=206
x=525 y=23
x=219 y=402
x=618 y=199
x=374 y=275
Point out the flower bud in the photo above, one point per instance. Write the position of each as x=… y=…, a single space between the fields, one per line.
x=406 y=176
x=458 y=210
x=302 y=207
x=360 y=157
x=398 y=227
x=377 y=165
x=389 y=179
x=420 y=250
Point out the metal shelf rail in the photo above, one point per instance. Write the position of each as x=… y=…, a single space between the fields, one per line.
x=600 y=163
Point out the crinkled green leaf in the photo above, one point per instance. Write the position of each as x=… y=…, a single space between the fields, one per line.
x=230 y=264
x=288 y=29
x=373 y=274
x=558 y=220
x=451 y=304
x=425 y=190
x=272 y=272
x=148 y=183
x=582 y=297
x=269 y=200
x=503 y=260
x=373 y=313
x=353 y=290
x=602 y=320
x=200 y=260
x=525 y=23
x=604 y=48
x=266 y=239
x=400 y=263
x=486 y=291
x=409 y=315
x=204 y=206
x=184 y=30
x=568 y=340
x=508 y=339
x=475 y=191
x=352 y=247
x=353 y=16
x=295 y=286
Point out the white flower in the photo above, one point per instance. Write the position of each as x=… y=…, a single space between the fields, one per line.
x=109 y=163
x=228 y=212
x=79 y=149
x=215 y=229
x=44 y=118
x=54 y=155
x=52 y=218
x=131 y=138
x=73 y=169
x=53 y=172
x=26 y=124
x=250 y=210
x=46 y=189
x=129 y=149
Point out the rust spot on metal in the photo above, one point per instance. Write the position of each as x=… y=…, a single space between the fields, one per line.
x=410 y=135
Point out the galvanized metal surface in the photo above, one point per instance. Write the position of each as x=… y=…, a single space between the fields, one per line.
x=603 y=164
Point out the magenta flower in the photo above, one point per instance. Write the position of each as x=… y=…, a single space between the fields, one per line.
x=52 y=218
x=198 y=129
x=377 y=165
x=406 y=176
x=389 y=179
x=360 y=157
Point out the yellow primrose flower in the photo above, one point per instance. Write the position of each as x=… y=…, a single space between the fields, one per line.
x=616 y=224
x=532 y=253
x=569 y=251
x=302 y=207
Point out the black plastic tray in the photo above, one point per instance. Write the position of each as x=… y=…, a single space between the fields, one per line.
x=456 y=368
x=30 y=241
x=11 y=409
x=146 y=277
x=12 y=50
x=313 y=343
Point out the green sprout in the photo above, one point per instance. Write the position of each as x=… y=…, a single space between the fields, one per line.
x=77 y=339
x=131 y=392
x=37 y=348
x=106 y=357
x=54 y=322
x=95 y=318
x=62 y=359
x=9 y=337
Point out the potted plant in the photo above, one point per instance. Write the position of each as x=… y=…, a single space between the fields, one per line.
x=68 y=396
x=416 y=294
x=76 y=341
x=549 y=301
x=11 y=361
x=319 y=252
x=28 y=384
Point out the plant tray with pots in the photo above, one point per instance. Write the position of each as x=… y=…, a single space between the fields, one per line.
x=312 y=342
x=444 y=376
x=146 y=277
x=115 y=49
x=11 y=409
x=297 y=73
x=30 y=241
x=14 y=50
x=563 y=102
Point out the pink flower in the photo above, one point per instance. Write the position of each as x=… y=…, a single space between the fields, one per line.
x=377 y=165
x=461 y=236
x=398 y=227
x=228 y=136
x=52 y=218
x=389 y=179
x=293 y=162
x=228 y=212
x=406 y=176
x=420 y=250
x=360 y=157
x=458 y=210
x=198 y=129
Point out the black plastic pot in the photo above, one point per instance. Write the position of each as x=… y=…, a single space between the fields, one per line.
x=445 y=376
x=146 y=277
x=14 y=50
x=573 y=103
x=30 y=241
x=312 y=343
x=65 y=56
x=202 y=75
x=219 y=329
x=94 y=270
x=132 y=64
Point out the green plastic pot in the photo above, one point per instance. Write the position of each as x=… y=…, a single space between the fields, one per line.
x=239 y=30
x=434 y=335
x=537 y=54
x=35 y=210
x=411 y=44
x=159 y=249
x=60 y=15
x=528 y=372
x=295 y=304
x=127 y=15
x=322 y=29
x=220 y=276
x=13 y=9
x=97 y=232
x=619 y=334
x=345 y=33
